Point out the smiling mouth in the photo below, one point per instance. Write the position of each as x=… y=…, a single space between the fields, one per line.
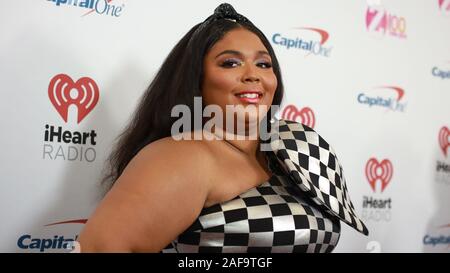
x=249 y=96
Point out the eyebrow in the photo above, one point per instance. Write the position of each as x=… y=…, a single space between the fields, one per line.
x=235 y=52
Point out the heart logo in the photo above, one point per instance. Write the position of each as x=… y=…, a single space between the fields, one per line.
x=376 y=171
x=444 y=133
x=63 y=92
x=304 y=116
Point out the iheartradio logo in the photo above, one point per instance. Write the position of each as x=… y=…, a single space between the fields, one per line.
x=379 y=171
x=304 y=115
x=444 y=143
x=63 y=92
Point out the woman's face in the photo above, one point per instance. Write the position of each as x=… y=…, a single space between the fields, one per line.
x=238 y=71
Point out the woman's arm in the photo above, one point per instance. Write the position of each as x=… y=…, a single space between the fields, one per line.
x=159 y=195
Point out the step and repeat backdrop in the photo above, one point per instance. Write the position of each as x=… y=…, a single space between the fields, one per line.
x=372 y=77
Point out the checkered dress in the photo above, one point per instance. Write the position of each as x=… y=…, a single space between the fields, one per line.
x=298 y=210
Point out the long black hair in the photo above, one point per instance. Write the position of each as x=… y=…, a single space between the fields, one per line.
x=178 y=81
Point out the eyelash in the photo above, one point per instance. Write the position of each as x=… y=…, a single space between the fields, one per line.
x=230 y=62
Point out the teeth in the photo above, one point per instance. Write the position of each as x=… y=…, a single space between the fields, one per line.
x=249 y=95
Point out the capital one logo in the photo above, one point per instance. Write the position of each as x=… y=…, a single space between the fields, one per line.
x=440 y=72
x=304 y=115
x=322 y=33
x=101 y=7
x=381 y=22
x=64 y=92
x=444 y=143
x=444 y=6
x=440 y=239
x=308 y=43
x=318 y=48
x=390 y=103
x=380 y=172
x=56 y=242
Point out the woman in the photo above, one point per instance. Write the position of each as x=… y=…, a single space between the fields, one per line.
x=224 y=194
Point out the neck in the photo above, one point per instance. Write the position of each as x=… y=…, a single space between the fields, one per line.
x=249 y=147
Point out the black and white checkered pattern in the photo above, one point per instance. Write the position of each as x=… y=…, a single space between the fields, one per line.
x=273 y=217
x=313 y=165
x=297 y=210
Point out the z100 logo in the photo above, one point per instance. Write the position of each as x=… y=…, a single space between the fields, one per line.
x=304 y=116
x=389 y=103
x=102 y=7
x=380 y=22
x=64 y=93
x=379 y=175
x=444 y=7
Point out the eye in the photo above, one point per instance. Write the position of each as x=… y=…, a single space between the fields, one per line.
x=229 y=63
x=264 y=64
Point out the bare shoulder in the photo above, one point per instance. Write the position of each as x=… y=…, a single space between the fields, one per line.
x=178 y=150
x=160 y=193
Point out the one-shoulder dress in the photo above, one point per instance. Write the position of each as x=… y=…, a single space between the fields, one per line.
x=299 y=209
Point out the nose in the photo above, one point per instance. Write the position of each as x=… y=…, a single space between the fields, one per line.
x=250 y=74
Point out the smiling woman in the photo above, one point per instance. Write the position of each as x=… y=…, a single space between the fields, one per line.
x=286 y=193
x=238 y=71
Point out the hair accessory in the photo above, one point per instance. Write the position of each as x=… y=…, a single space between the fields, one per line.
x=226 y=11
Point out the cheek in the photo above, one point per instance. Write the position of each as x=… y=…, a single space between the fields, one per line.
x=217 y=84
x=271 y=83
x=220 y=80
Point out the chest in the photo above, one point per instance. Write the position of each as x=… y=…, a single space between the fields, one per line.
x=273 y=217
x=234 y=178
